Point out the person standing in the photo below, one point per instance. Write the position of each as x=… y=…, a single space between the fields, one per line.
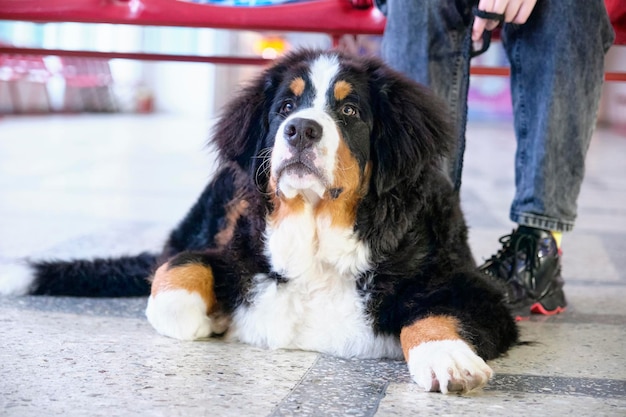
x=556 y=52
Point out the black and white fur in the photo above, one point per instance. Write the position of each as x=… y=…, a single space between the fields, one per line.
x=329 y=226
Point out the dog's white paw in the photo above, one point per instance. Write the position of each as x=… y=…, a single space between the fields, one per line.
x=179 y=314
x=447 y=366
x=16 y=278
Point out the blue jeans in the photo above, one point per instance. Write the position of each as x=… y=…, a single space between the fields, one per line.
x=557 y=70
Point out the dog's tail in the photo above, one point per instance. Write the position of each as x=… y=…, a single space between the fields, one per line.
x=125 y=276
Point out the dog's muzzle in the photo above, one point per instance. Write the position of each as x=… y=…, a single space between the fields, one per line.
x=303 y=158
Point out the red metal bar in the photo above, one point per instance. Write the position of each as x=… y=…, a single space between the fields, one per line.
x=137 y=55
x=324 y=16
x=506 y=71
x=334 y=17
x=492 y=71
x=475 y=70
x=615 y=76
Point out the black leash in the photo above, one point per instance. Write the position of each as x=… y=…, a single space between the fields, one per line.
x=487 y=33
x=469 y=53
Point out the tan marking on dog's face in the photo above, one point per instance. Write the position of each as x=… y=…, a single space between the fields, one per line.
x=429 y=329
x=342 y=89
x=342 y=209
x=192 y=277
x=235 y=210
x=297 y=86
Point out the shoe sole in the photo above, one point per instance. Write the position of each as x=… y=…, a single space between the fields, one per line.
x=539 y=309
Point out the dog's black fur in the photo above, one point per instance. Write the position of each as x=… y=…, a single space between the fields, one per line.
x=409 y=216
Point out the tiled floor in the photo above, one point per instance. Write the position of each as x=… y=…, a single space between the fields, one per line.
x=99 y=185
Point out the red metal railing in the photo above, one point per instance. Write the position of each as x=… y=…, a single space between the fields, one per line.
x=333 y=17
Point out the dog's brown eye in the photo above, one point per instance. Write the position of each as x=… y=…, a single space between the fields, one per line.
x=349 y=110
x=287 y=107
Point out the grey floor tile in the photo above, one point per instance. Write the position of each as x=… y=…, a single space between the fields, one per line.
x=339 y=387
x=110 y=185
x=406 y=400
x=559 y=347
x=89 y=362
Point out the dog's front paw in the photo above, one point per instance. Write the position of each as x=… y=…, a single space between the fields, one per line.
x=182 y=303
x=447 y=366
x=179 y=314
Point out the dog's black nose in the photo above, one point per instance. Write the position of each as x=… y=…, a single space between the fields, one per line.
x=302 y=133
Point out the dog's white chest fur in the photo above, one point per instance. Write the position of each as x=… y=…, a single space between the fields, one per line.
x=318 y=307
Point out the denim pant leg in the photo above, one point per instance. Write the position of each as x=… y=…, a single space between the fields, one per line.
x=557 y=70
x=429 y=41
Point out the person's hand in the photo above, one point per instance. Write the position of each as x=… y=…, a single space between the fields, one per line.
x=514 y=11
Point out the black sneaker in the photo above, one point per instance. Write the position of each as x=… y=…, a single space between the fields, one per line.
x=528 y=270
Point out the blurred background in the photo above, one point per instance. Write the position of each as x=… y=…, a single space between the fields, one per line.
x=36 y=84
x=49 y=84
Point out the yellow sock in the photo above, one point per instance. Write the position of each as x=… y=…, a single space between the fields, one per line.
x=557 y=237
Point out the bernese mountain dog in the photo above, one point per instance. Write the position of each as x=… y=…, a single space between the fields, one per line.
x=329 y=226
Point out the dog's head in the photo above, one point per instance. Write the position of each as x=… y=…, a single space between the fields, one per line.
x=318 y=125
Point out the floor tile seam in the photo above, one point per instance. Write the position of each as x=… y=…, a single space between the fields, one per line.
x=283 y=402
x=559 y=385
x=357 y=385
x=381 y=396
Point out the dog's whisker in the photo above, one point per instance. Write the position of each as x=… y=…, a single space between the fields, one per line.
x=263 y=169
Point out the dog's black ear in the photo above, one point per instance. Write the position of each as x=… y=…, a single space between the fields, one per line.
x=241 y=132
x=411 y=132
